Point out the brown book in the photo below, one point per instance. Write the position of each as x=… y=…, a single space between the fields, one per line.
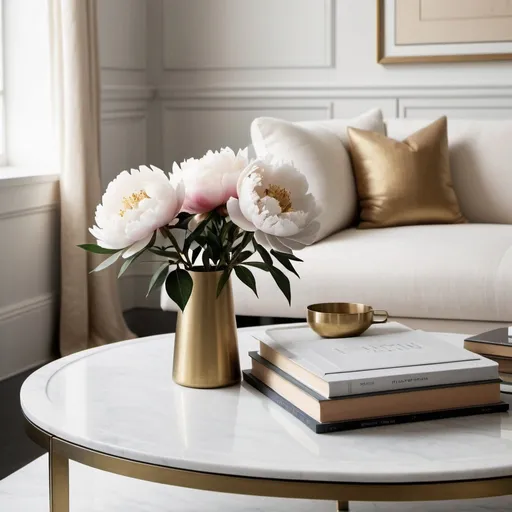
x=495 y=343
x=504 y=364
x=389 y=403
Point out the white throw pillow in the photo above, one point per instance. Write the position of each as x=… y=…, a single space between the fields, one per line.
x=319 y=149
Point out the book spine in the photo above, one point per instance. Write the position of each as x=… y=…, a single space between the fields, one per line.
x=442 y=377
x=325 y=428
x=282 y=402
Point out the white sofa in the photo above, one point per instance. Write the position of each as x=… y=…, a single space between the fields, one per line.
x=436 y=277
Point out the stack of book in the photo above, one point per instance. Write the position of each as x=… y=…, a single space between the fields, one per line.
x=495 y=345
x=376 y=379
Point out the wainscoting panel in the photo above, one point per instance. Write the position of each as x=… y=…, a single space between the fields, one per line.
x=133 y=289
x=27 y=199
x=122 y=34
x=248 y=34
x=29 y=330
x=124 y=142
x=352 y=107
x=189 y=131
x=30 y=256
x=490 y=107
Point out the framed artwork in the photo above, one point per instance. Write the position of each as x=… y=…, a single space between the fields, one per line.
x=443 y=30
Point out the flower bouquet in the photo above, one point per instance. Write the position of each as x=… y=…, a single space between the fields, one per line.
x=210 y=218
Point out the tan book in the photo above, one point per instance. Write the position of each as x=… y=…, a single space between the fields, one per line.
x=495 y=343
x=373 y=405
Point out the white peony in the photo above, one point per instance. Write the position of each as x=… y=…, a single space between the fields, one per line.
x=273 y=202
x=211 y=180
x=134 y=206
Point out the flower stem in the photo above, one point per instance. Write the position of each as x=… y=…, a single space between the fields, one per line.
x=166 y=232
x=248 y=237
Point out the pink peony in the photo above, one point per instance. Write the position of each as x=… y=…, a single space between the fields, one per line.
x=211 y=180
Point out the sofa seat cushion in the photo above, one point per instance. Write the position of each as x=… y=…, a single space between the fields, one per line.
x=455 y=272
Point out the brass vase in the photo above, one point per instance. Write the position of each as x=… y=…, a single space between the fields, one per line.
x=206 y=348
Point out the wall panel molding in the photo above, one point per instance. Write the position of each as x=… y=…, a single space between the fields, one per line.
x=329 y=91
x=29 y=199
x=24 y=307
x=183 y=48
x=126 y=98
x=126 y=115
x=33 y=210
x=488 y=107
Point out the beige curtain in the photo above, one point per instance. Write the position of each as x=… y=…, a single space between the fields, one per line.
x=90 y=313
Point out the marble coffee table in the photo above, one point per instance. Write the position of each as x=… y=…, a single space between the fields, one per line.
x=116 y=408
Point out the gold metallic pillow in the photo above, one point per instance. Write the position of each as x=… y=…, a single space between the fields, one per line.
x=404 y=183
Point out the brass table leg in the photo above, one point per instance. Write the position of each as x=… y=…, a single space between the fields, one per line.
x=342 y=506
x=59 y=481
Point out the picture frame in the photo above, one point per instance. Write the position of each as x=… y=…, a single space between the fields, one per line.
x=436 y=52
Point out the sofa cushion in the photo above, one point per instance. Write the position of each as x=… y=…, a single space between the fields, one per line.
x=319 y=150
x=480 y=160
x=403 y=183
x=455 y=272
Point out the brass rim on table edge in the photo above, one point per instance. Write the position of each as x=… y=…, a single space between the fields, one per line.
x=426 y=491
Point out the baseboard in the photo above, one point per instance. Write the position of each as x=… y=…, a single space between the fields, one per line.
x=28 y=369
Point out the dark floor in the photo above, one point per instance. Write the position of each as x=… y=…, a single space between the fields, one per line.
x=16 y=449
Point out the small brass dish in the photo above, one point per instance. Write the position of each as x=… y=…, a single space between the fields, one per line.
x=343 y=319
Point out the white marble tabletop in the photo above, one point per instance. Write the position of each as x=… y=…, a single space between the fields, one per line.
x=121 y=400
x=27 y=491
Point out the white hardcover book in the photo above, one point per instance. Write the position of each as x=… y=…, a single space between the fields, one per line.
x=374 y=362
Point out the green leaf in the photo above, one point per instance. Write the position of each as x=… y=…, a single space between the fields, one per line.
x=287 y=264
x=265 y=256
x=126 y=264
x=178 y=286
x=183 y=220
x=158 y=278
x=243 y=256
x=97 y=249
x=283 y=282
x=195 y=254
x=225 y=230
x=247 y=277
x=109 y=261
x=223 y=280
x=206 y=257
x=214 y=245
x=201 y=240
x=257 y=264
x=196 y=233
x=287 y=255
x=172 y=255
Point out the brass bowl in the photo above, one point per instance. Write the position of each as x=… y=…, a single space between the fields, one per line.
x=343 y=319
